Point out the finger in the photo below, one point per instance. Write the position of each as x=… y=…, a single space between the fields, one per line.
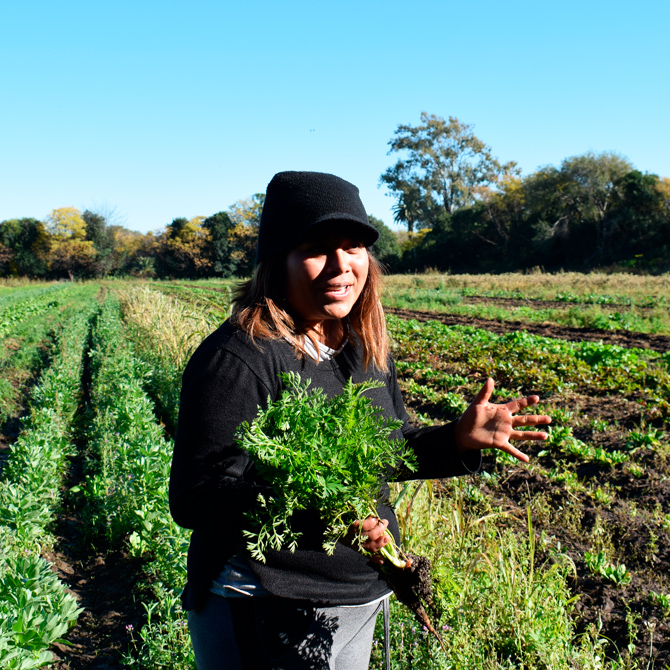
x=375 y=545
x=530 y=420
x=527 y=435
x=367 y=524
x=484 y=393
x=513 y=451
x=379 y=530
x=520 y=403
x=374 y=528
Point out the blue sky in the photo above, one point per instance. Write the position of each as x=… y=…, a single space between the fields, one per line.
x=166 y=109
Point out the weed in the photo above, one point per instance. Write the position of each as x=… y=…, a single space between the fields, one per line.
x=599 y=425
x=599 y=565
x=661 y=600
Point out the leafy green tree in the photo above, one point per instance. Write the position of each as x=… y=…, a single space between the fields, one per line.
x=640 y=223
x=242 y=237
x=66 y=223
x=70 y=253
x=242 y=242
x=594 y=181
x=5 y=258
x=73 y=257
x=410 y=208
x=234 y=236
x=182 y=250
x=102 y=236
x=569 y=208
x=25 y=243
x=177 y=228
x=444 y=167
x=219 y=226
x=386 y=249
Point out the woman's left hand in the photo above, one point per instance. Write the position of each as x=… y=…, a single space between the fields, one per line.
x=485 y=425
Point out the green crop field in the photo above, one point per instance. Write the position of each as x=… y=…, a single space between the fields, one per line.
x=560 y=563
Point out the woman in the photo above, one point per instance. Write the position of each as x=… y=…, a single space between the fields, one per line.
x=311 y=307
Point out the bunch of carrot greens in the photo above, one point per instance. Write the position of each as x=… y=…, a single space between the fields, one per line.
x=319 y=453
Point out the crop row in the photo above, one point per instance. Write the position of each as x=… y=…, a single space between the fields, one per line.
x=21 y=356
x=442 y=367
x=126 y=490
x=36 y=302
x=456 y=359
x=15 y=295
x=36 y=609
x=592 y=288
x=164 y=331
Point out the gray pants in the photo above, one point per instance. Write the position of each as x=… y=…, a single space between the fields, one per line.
x=278 y=634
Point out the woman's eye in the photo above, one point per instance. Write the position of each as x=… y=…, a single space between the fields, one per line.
x=311 y=248
x=318 y=248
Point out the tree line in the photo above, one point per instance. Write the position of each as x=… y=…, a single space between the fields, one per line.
x=466 y=212
x=74 y=244
x=463 y=211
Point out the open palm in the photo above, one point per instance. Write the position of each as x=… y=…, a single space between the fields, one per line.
x=485 y=425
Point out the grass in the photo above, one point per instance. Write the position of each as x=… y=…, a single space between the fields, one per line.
x=639 y=289
x=165 y=331
x=609 y=302
x=501 y=607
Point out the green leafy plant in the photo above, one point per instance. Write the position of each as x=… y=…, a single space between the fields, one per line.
x=321 y=453
x=599 y=565
x=125 y=495
x=661 y=600
x=640 y=439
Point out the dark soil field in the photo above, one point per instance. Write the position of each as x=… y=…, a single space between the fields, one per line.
x=644 y=544
x=632 y=524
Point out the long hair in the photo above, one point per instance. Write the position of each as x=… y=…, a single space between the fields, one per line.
x=262 y=310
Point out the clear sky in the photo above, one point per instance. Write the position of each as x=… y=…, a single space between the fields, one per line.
x=166 y=109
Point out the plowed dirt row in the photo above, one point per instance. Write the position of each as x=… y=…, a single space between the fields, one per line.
x=544 y=304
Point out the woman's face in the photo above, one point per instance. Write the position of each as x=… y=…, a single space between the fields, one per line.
x=325 y=276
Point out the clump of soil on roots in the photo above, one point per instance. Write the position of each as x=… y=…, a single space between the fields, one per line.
x=413 y=586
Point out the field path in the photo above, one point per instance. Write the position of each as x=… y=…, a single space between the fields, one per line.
x=622 y=338
x=105 y=583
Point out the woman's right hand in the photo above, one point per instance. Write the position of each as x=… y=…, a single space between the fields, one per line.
x=373 y=533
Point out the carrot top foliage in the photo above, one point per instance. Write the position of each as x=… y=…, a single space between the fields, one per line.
x=327 y=454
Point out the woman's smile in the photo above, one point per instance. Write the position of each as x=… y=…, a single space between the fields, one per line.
x=338 y=291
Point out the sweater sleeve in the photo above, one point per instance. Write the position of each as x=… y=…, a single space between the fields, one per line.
x=212 y=481
x=435 y=446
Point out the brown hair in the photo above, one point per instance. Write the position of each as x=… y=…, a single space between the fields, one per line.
x=261 y=309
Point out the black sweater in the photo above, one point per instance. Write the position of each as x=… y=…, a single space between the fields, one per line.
x=213 y=481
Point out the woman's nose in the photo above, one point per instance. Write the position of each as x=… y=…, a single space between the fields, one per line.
x=338 y=259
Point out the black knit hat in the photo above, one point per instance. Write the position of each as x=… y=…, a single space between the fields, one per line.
x=298 y=202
